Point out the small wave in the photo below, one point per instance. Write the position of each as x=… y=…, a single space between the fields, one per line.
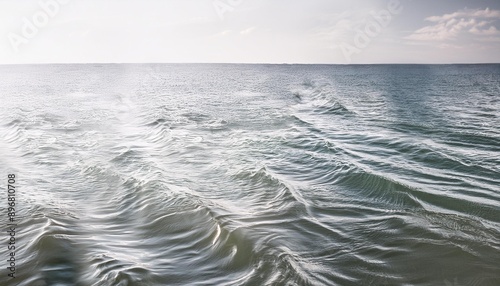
x=196 y=116
x=113 y=271
x=268 y=193
x=319 y=100
x=158 y=122
x=330 y=107
x=391 y=193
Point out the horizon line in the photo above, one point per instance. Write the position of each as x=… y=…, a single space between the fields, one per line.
x=235 y=63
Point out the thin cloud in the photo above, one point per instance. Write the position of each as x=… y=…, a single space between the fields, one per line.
x=451 y=26
x=486 y=13
x=224 y=33
x=491 y=31
x=247 y=31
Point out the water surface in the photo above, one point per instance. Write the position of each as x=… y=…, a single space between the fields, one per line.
x=253 y=174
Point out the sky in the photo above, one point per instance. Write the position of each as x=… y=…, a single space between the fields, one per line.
x=249 y=31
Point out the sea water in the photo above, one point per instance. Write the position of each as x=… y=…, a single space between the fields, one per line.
x=214 y=174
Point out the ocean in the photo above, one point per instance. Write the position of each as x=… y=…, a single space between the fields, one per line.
x=229 y=174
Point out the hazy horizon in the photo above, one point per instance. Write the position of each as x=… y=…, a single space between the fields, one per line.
x=236 y=63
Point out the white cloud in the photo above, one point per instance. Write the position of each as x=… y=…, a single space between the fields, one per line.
x=486 y=13
x=247 y=31
x=224 y=33
x=464 y=22
x=491 y=31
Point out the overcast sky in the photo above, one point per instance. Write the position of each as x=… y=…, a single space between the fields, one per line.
x=249 y=31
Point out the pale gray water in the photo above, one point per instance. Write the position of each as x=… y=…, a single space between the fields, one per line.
x=253 y=174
